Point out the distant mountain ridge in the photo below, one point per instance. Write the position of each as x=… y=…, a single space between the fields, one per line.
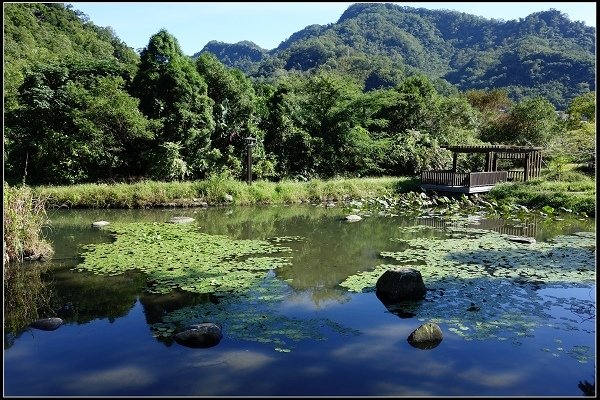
x=543 y=54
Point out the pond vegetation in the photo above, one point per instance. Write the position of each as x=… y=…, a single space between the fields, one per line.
x=298 y=281
x=24 y=218
x=481 y=283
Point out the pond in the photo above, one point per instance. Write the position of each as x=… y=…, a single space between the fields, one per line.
x=293 y=290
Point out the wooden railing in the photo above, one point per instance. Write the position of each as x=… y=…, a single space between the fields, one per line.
x=471 y=179
x=487 y=178
x=515 y=176
x=448 y=178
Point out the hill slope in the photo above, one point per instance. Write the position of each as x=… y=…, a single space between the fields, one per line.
x=543 y=54
x=43 y=32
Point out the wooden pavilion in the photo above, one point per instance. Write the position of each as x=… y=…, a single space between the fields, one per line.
x=477 y=182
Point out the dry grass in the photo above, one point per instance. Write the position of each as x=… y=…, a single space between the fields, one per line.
x=24 y=218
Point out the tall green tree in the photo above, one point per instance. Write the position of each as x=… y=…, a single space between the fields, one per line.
x=578 y=143
x=286 y=137
x=531 y=122
x=174 y=95
x=76 y=123
x=582 y=108
x=415 y=98
x=327 y=97
x=234 y=112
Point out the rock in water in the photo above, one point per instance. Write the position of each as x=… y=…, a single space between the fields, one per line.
x=521 y=239
x=353 y=218
x=398 y=285
x=426 y=337
x=100 y=224
x=202 y=335
x=47 y=324
x=181 y=220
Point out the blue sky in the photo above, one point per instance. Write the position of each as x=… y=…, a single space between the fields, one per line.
x=269 y=24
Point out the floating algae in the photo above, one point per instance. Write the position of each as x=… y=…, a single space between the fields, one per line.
x=482 y=285
x=253 y=316
x=179 y=256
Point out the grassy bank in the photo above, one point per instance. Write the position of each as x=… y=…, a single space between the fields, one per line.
x=24 y=217
x=576 y=192
x=215 y=191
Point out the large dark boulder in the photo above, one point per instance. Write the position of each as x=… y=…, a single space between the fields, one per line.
x=398 y=285
x=47 y=324
x=427 y=336
x=202 y=335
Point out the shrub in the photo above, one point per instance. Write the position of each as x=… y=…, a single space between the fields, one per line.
x=24 y=219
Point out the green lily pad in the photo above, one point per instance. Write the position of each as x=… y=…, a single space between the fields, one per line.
x=180 y=256
x=474 y=269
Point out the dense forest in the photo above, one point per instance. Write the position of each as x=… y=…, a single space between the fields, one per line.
x=544 y=54
x=375 y=94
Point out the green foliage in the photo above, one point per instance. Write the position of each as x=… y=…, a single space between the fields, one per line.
x=531 y=122
x=213 y=190
x=49 y=32
x=489 y=101
x=75 y=119
x=558 y=164
x=544 y=54
x=173 y=92
x=413 y=151
x=179 y=256
x=366 y=96
x=235 y=112
x=24 y=219
x=582 y=107
x=168 y=164
x=309 y=123
x=578 y=195
x=243 y=55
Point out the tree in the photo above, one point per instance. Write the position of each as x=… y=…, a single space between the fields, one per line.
x=531 y=122
x=286 y=139
x=327 y=97
x=415 y=98
x=234 y=111
x=172 y=92
x=44 y=32
x=454 y=121
x=77 y=121
x=581 y=107
x=489 y=102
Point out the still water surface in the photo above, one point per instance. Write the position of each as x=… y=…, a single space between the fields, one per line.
x=359 y=348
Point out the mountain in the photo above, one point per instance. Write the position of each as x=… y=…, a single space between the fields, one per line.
x=243 y=55
x=40 y=33
x=542 y=54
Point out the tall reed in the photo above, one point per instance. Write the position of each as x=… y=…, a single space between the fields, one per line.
x=24 y=219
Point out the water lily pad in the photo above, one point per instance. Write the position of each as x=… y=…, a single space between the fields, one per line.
x=180 y=256
x=501 y=278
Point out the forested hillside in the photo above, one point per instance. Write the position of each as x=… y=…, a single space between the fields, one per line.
x=543 y=54
x=81 y=106
x=37 y=33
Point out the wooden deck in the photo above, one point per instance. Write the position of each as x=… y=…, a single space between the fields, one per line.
x=461 y=182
